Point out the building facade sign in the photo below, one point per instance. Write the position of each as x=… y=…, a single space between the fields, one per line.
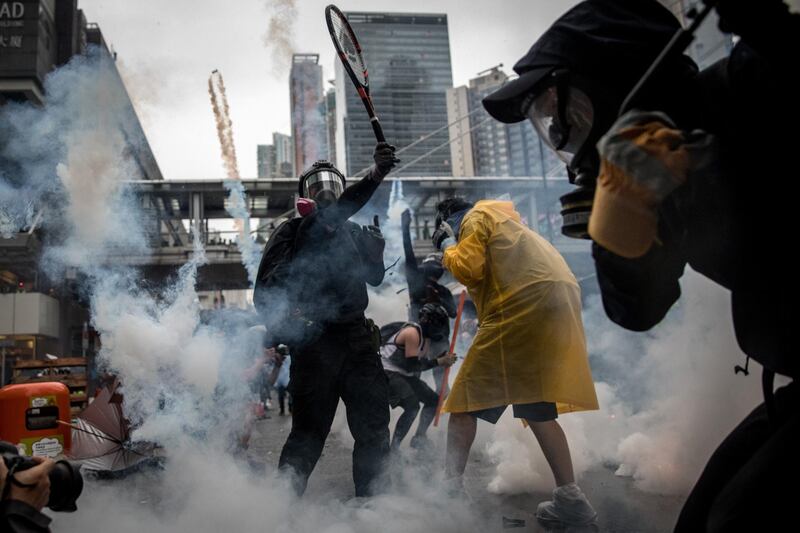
x=27 y=39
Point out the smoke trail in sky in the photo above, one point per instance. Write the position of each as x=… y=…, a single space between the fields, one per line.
x=279 y=37
x=219 y=105
x=236 y=204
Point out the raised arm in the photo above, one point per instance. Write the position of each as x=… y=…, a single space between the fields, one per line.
x=356 y=196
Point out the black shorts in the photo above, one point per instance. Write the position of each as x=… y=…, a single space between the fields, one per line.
x=402 y=388
x=535 y=412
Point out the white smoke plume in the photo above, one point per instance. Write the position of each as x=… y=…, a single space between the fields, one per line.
x=279 y=37
x=236 y=206
x=667 y=399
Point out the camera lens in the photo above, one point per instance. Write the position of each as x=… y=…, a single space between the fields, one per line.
x=66 y=485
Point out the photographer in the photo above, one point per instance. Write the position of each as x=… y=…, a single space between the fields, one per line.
x=689 y=176
x=24 y=496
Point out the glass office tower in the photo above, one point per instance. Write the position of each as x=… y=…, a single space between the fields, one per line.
x=408 y=58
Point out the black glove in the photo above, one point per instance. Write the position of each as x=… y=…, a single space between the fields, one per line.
x=384 y=158
x=373 y=242
x=405 y=218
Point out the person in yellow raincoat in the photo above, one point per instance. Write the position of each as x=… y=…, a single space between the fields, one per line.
x=529 y=351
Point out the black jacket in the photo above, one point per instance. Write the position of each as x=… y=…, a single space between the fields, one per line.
x=328 y=263
x=736 y=225
x=19 y=517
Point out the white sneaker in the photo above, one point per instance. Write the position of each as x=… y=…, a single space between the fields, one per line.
x=569 y=507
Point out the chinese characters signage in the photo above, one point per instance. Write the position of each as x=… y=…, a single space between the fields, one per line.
x=27 y=38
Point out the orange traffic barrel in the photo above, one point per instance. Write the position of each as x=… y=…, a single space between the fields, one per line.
x=30 y=415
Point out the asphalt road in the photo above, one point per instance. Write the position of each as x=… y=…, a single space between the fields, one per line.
x=620 y=506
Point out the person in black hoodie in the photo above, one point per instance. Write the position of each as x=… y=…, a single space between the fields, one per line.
x=702 y=156
x=311 y=292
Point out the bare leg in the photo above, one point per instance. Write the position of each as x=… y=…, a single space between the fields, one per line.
x=460 y=435
x=556 y=450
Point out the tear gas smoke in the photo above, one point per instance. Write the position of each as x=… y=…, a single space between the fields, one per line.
x=236 y=205
x=67 y=158
x=667 y=399
x=279 y=37
x=219 y=105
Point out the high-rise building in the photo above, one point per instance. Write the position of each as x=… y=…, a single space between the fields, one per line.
x=265 y=154
x=408 y=57
x=481 y=146
x=276 y=160
x=330 y=118
x=284 y=155
x=308 y=111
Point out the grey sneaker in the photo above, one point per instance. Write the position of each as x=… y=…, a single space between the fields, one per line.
x=569 y=507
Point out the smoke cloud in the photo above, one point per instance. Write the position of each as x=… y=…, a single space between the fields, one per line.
x=236 y=206
x=279 y=37
x=667 y=399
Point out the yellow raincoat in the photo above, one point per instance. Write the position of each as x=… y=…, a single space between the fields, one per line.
x=530 y=345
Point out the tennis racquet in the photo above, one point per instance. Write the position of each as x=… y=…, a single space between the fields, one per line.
x=344 y=39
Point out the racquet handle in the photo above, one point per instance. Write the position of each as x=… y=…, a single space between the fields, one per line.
x=376 y=127
x=373 y=120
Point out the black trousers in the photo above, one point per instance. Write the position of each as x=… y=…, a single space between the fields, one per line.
x=342 y=362
x=749 y=483
x=408 y=392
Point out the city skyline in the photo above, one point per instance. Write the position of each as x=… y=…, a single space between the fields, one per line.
x=166 y=71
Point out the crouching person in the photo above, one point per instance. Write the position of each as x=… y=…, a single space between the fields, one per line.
x=404 y=355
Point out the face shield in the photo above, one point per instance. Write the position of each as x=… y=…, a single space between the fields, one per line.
x=562 y=115
x=324 y=187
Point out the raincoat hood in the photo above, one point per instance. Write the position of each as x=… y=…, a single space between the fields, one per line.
x=600 y=39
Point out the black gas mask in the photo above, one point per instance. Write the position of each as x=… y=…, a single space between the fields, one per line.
x=322 y=183
x=566 y=118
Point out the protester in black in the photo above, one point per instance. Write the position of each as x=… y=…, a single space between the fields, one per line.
x=735 y=124
x=313 y=276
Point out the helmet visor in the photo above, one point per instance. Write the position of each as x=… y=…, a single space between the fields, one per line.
x=323 y=181
x=563 y=118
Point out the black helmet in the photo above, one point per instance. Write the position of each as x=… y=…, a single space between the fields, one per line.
x=434 y=321
x=448 y=207
x=322 y=182
x=432 y=266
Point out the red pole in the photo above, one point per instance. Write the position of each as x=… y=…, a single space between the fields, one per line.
x=461 y=300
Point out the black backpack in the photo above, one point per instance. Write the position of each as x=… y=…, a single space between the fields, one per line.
x=275 y=264
x=390 y=329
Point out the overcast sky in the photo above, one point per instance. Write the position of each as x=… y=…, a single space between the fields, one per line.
x=167 y=49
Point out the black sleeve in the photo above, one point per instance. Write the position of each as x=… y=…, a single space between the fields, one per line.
x=19 y=517
x=411 y=260
x=637 y=293
x=352 y=199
